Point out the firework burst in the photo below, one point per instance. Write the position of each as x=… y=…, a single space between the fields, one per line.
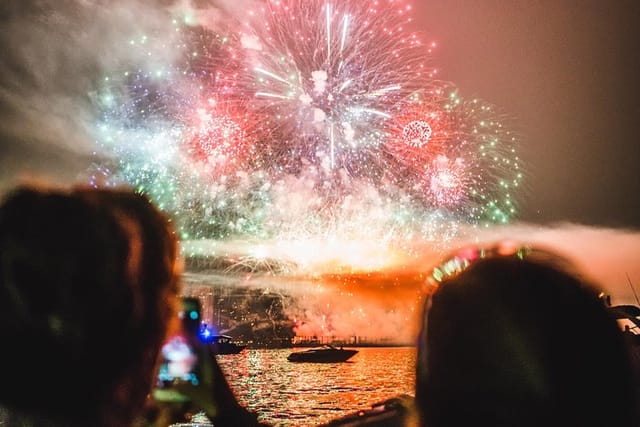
x=468 y=166
x=332 y=74
x=309 y=118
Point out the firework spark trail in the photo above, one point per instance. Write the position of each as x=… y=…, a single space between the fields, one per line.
x=306 y=120
x=468 y=164
x=333 y=74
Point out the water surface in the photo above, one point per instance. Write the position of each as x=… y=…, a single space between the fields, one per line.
x=308 y=394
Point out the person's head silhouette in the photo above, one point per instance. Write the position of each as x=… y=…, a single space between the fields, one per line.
x=88 y=290
x=513 y=336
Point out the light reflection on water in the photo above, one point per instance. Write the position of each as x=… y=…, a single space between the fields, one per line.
x=307 y=394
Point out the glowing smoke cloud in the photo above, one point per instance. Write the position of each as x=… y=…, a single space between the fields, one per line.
x=53 y=54
x=383 y=297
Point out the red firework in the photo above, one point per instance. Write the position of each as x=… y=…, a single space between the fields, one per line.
x=429 y=138
x=220 y=141
x=421 y=130
x=446 y=181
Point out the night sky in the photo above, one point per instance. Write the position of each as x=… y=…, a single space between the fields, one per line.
x=566 y=73
x=563 y=73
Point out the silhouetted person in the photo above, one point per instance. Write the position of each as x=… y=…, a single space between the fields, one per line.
x=85 y=303
x=89 y=291
x=214 y=395
x=515 y=337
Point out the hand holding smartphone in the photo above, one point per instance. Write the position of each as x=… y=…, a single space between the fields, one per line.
x=190 y=379
x=180 y=364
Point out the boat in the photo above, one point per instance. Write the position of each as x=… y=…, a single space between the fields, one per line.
x=324 y=354
x=224 y=344
x=628 y=318
x=395 y=411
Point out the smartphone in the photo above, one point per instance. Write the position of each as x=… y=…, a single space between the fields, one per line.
x=179 y=360
x=190 y=316
x=178 y=357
